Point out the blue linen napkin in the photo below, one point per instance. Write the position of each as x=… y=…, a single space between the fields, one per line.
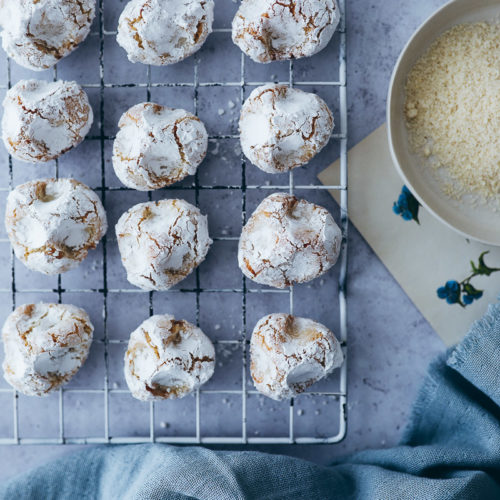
x=451 y=450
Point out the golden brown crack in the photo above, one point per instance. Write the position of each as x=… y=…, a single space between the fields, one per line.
x=165 y=392
x=133 y=22
x=150 y=343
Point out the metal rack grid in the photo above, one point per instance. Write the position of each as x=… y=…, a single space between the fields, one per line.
x=243 y=291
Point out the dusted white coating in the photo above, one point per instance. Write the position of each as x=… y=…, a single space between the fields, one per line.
x=287 y=241
x=162 y=242
x=38 y=33
x=53 y=223
x=282 y=128
x=42 y=120
x=157 y=146
x=289 y=354
x=167 y=359
x=272 y=30
x=161 y=32
x=44 y=345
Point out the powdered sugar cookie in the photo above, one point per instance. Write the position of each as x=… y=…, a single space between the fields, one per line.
x=161 y=32
x=162 y=242
x=283 y=128
x=157 y=146
x=167 y=359
x=42 y=120
x=38 y=33
x=53 y=223
x=289 y=354
x=288 y=241
x=272 y=30
x=45 y=345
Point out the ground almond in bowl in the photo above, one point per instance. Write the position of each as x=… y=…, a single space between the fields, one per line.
x=453 y=110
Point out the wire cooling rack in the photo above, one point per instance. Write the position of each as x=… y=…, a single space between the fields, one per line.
x=96 y=407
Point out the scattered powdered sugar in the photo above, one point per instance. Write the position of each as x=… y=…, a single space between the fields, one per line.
x=167 y=358
x=157 y=146
x=159 y=33
x=288 y=354
x=162 y=242
x=45 y=345
x=38 y=33
x=270 y=30
x=53 y=223
x=42 y=120
x=216 y=149
x=283 y=128
x=287 y=241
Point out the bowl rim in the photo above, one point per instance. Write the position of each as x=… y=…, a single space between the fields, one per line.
x=394 y=156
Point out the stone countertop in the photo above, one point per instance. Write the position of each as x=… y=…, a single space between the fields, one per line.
x=390 y=344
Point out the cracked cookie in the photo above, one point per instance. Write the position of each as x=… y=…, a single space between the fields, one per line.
x=42 y=120
x=167 y=359
x=288 y=354
x=162 y=242
x=38 y=33
x=53 y=223
x=288 y=241
x=157 y=146
x=272 y=30
x=161 y=32
x=282 y=128
x=44 y=345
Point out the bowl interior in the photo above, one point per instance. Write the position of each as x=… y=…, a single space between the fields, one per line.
x=478 y=222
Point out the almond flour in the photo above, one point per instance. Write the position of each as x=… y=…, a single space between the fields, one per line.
x=453 y=110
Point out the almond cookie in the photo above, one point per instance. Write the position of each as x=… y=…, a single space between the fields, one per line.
x=167 y=359
x=38 y=33
x=42 y=120
x=162 y=242
x=53 y=223
x=161 y=32
x=288 y=241
x=289 y=354
x=157 y=146
x=283 y=128
x=272 y=30
x=45 y=345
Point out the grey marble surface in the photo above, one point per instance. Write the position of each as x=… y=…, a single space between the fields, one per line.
x=390 y=344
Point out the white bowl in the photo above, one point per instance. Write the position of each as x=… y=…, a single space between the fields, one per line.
x=477 y=222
